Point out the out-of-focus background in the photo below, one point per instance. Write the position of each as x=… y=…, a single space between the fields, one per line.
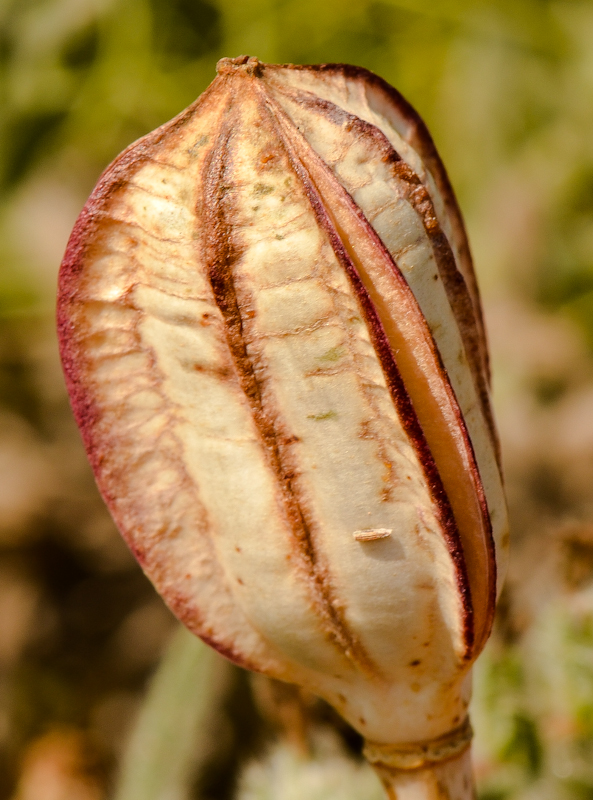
x=506 y=87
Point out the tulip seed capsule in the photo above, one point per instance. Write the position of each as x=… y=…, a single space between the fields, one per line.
x=273 y=342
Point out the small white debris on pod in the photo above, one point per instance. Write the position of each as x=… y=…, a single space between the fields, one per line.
x=372 y=534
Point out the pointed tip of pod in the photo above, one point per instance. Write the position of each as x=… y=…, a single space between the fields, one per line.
x=242 y=65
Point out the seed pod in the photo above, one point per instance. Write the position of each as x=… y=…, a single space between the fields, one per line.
x=273 y=342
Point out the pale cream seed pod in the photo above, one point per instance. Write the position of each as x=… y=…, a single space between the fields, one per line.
x=273 y=342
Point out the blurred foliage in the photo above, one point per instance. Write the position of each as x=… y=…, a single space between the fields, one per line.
x=506 y=88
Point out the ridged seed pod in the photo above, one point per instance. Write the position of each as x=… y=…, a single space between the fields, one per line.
x=274 y=347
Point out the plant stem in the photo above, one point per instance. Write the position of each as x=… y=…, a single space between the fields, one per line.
x=448 y=780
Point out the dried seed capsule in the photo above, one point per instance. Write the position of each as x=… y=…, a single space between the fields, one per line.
x=273 y=342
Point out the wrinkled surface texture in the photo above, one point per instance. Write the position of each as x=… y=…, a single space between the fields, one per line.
x=273 y=342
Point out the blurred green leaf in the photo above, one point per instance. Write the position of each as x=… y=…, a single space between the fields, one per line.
x=169 y=739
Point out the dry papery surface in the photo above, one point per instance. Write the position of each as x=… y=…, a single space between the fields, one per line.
x=274 y=346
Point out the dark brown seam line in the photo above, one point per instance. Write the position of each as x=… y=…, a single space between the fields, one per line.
x=75 y=362
x=220 y=276
x=337 y=113
x=395 y=382
x=421 y=141
x=405 y=410
x=114 y=177
x=420 y=200
x=399 y=394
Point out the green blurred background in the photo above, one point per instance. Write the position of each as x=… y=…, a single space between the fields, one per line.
x=506 y=87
